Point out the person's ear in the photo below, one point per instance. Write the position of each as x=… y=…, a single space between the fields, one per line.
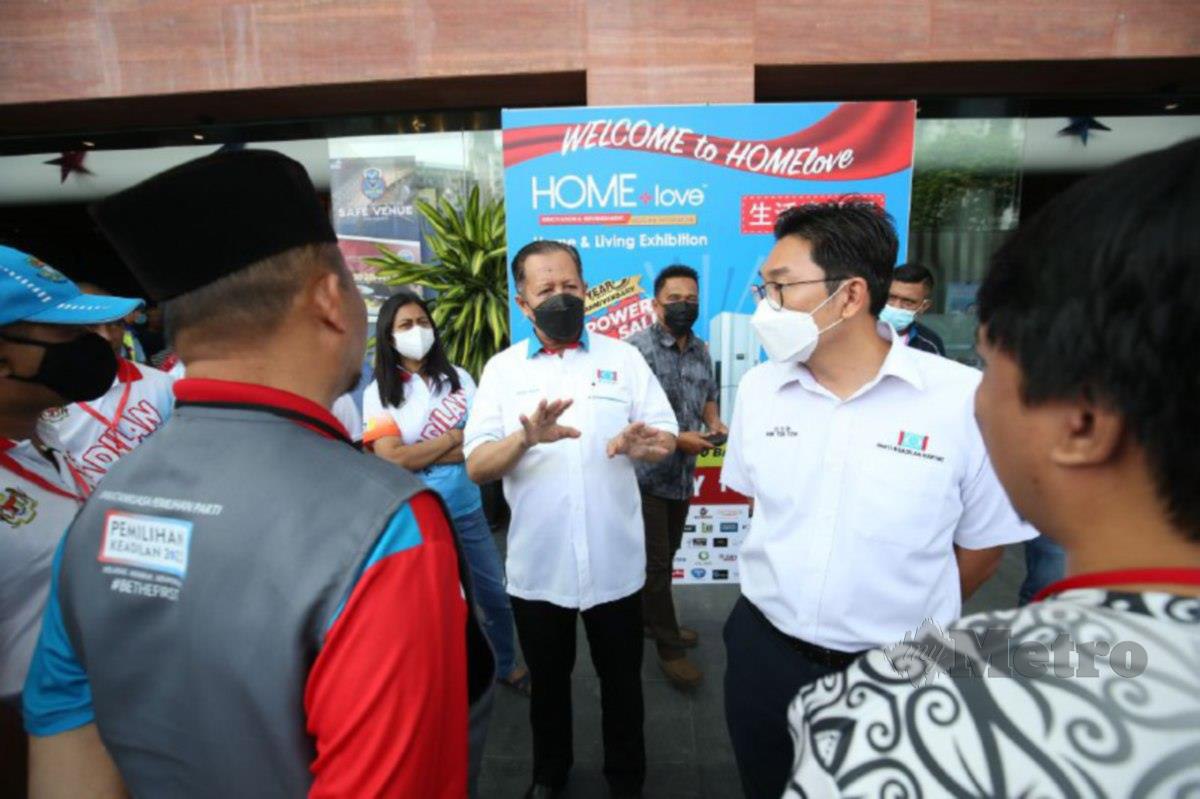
x=857 y=296
x=523 y=305
x=327 y=303
x=1087 y=435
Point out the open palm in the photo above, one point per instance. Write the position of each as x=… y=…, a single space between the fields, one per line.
x=542 y=427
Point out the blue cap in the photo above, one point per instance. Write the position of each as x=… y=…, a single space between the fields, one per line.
x=31 y=291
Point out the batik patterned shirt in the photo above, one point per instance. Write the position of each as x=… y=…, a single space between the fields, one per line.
x=687 y=378
x=1090 y=693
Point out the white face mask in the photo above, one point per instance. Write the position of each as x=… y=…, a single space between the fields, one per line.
x=413 y=343
x=789 y=336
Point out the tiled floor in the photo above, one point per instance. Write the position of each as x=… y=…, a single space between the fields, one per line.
x=687 y=746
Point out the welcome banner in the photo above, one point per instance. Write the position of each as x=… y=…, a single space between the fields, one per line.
x=636 y=189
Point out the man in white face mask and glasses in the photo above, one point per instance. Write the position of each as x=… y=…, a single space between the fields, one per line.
x=875 y=505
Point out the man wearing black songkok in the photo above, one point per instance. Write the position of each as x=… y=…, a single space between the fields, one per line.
x=248 y=606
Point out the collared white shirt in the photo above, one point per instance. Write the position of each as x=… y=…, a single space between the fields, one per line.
x=576 y=538
x=94 y=435
x=858 y=502
x=38 y=500
x=1035 y=701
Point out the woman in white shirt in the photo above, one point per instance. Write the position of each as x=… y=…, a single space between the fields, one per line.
x=414 y=413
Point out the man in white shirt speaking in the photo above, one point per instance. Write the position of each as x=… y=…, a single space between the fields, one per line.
x=875 y=504
x=561 y=416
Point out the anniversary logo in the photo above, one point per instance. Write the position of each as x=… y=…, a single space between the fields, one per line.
x=625 y=308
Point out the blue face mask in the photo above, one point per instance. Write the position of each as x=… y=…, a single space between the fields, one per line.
x=898 y=318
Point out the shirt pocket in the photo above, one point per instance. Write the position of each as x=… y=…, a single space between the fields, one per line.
x=609 y=407
x=901 y=499
x=520 y=403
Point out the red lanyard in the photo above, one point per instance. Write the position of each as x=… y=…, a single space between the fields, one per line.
x=1164 y=576
x=9 y=462
x=95 y=414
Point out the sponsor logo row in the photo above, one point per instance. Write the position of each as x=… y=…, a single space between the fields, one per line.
x=698 y=573
x=706 y=528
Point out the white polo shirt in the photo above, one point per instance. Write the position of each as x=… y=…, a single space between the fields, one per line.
x=38 y=500
x=94 y=435
x=858 y=503
x=576 y=537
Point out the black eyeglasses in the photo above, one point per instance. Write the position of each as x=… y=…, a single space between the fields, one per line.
x=772 y=292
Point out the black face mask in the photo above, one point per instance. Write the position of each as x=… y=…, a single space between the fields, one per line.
x=680 y=316
x=78 y=370
x=560 y=317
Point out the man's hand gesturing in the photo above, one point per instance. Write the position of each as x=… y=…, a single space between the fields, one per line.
x=543 y=428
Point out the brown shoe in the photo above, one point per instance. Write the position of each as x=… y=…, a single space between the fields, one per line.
x=681 y=672
x=687 y=639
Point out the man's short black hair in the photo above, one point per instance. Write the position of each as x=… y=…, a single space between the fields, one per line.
x=542 y=247
x=849 y=238
x=1098 y=296
x=914 y=273
x=674 y=270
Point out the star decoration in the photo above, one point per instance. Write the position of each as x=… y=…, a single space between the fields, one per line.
x=70 y=161
x=645 y=198
x=1082 y=127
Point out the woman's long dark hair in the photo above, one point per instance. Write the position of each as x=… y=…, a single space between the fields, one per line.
x=387 y=360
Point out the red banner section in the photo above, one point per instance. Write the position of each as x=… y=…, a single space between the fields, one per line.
x=709 y=490
x=845 y=145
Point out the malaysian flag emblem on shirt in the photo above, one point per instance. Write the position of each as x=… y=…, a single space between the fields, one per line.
x=916 y=442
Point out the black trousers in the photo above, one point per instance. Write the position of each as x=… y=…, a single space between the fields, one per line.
x=763 y=676
x=664 y=520
x=614 y=631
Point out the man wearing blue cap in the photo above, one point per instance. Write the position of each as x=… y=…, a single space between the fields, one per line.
x=94 y=435
x=48 y=358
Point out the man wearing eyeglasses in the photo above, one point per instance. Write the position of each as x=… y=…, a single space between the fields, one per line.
x=876 y=507
x=908 y=297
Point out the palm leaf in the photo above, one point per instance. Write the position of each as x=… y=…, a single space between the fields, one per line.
x=468 y=273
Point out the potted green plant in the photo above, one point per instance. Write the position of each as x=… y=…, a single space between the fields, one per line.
x=468 y=276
